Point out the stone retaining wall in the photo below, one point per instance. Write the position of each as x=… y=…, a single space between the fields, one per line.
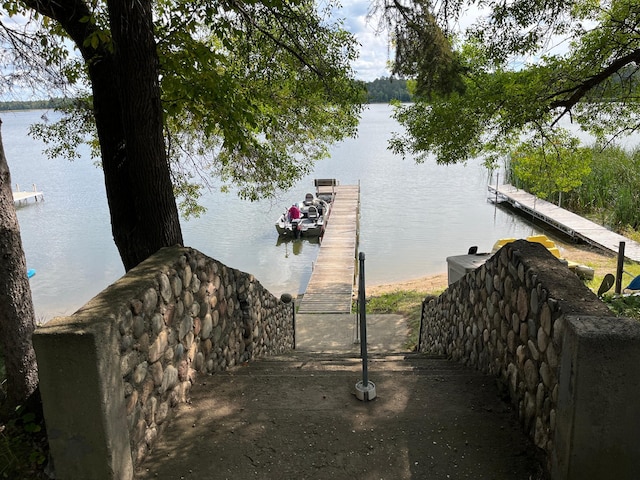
x=144 y=339
x=507 y=319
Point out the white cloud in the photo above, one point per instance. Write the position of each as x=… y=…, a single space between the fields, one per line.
x=375 y=50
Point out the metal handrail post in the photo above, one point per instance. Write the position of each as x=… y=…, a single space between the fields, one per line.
x=365 y=390
x=421 y=326
x=363 y=321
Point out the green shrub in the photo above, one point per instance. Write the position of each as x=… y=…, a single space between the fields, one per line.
x=23 y=445
x=609 y=194
x=624 y=306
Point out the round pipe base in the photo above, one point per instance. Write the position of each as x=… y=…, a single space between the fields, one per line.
x=365 y=392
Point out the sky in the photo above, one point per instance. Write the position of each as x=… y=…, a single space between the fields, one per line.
x=375 y=51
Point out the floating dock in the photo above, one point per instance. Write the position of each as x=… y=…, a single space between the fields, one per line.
x=331 y=284
x=567 y=222
x=19 y=197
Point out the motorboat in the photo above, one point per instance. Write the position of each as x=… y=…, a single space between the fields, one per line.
x=304 y=219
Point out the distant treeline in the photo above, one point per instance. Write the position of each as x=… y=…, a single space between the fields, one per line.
x=383 y=90
x=32 y=104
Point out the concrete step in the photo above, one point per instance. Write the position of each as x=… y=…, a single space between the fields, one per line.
x=300 y=363
x=298 y=416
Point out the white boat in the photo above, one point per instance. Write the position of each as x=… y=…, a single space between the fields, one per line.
x=304 y=219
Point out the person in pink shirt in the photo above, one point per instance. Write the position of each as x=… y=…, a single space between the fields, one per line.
x=294 y=212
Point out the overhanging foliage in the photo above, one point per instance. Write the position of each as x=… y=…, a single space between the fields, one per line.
x=517 y=71
x=253 y=92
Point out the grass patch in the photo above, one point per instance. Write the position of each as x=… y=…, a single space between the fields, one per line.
x=630 y=270
x=407 y=303
x=624 y=306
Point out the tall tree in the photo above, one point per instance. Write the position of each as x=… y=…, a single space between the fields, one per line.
x=252 y=93
x=520 y=68
x=151 y=221
x=17 y=318
x=144 y=214
x=257 y=91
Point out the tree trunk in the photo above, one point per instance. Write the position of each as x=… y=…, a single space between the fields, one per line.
x=129 y=120
x=151 y=220
x=128 y=115
x=140 y=222
x=17 y=318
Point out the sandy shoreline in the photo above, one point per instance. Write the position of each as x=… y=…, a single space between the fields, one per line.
x=427 y=284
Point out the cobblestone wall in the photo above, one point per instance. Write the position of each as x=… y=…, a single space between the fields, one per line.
x=507 y=319
x=197 y=316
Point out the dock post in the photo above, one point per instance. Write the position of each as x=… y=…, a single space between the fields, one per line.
x=620 y=268
x=365 y=390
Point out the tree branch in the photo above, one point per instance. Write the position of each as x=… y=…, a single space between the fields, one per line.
x=580 y=90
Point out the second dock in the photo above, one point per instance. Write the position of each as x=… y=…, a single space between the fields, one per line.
x=568 y=222
x=22 y=196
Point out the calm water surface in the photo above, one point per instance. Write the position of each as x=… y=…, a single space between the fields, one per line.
x=412 y=218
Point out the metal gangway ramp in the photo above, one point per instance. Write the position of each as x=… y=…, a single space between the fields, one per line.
x=330 y=287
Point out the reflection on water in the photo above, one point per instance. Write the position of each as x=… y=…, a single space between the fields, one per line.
x=295 y=245
x=412 y=217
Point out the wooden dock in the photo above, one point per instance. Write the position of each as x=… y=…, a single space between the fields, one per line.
x=571 y=224
x=19 y=197
x=331 y=284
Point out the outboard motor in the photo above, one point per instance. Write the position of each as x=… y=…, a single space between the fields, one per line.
x=295 y=228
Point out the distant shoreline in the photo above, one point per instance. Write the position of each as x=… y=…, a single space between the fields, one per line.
x=33 y=105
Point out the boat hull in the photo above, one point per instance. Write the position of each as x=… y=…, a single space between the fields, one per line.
x=286 y=229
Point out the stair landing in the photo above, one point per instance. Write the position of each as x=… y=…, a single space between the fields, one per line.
x=296 y=417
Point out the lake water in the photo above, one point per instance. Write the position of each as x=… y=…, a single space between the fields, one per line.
x=412 y=218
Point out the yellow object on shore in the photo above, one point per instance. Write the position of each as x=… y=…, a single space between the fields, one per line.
x=583 y=271
x=541 y=239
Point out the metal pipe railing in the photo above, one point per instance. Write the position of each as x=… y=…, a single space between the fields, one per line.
x=365 y=390
x=363 y=322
